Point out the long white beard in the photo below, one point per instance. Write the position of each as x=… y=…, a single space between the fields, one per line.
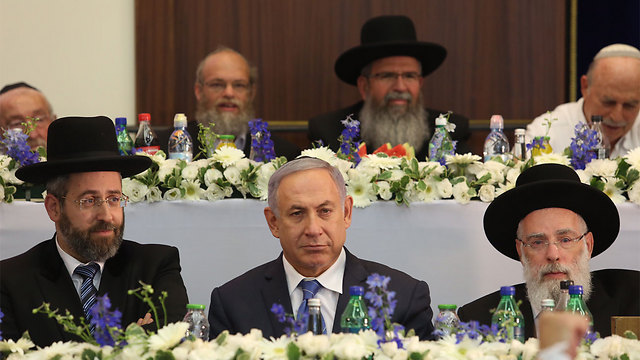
x=539 y=289
x=380 y=124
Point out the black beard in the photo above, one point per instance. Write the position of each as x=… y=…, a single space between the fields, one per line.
x=87 y=249
x=381 y=123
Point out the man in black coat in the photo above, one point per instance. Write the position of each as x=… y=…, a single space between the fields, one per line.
x=388 y=69
x=554 y=224
x=87 y=256
x=309 y=212
x=225 y=88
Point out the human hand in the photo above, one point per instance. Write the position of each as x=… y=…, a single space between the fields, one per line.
x=147 y=320
x=561 y=327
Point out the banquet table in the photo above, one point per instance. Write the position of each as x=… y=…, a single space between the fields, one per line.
x=442 y=242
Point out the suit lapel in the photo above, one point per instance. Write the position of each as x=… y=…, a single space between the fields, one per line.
x=275 y=290
x=116 y=285
x=354 y=274
x=527 y=312
x=56 y=287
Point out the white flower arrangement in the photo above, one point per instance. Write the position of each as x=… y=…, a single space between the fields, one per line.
x=377 y=177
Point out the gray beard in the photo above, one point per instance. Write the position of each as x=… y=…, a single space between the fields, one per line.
x=87 y=249
x=538 y=289
x=380 y=124
x=226 y=123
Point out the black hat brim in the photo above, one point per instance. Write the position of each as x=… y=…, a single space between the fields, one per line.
x=349 y=65
x=598 y=211
x=40 y=173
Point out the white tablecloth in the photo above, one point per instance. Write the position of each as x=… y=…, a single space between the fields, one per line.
x=442 y=243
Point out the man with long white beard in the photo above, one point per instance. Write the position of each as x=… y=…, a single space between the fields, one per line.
x=388 y=69
x=86 y=258
x=554 y=224
x=225 y=88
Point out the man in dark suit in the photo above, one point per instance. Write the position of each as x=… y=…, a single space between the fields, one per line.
x=225 y=88
x=554 y=224
x=310 y=212
x=87 y=256
x=389 y=69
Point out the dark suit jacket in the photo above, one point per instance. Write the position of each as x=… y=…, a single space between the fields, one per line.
x=39 y=275
x=328 y=127
x=281 y=146
x=245 y=302
x=615 y=293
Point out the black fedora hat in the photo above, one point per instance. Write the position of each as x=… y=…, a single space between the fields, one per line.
x=383 y=36
x=82 y=144
x=550 y=186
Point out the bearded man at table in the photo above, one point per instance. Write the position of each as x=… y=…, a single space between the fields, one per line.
x=310 y=212
x=87 y=256
x=388 y=68
x=553 y=224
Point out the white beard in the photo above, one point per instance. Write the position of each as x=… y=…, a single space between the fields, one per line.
x=226 y=123
x=539 y=289
x=380 y=124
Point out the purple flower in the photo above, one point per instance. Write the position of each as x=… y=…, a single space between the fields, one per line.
x=105 y=320
x=278 y=311
x=1 y=316
x=583 y=145
x=348 y=143
x=297 y=326
x=262 y=148
x=17 y=148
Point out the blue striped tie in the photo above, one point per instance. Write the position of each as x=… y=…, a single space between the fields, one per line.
x=87 y=289
x=309 y=290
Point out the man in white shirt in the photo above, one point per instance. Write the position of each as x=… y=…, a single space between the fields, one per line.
x=611 y=88
x=310 y=212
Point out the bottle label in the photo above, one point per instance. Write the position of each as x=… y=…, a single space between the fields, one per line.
x=151 y=150
x=186 y=156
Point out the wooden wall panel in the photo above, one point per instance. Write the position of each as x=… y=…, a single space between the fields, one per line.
x=504 y=56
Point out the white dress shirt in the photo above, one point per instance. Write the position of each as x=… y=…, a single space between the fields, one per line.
x=331 y=281
x=72 y=263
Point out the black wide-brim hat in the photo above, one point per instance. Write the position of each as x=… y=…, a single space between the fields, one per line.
x=385 y=36
x=550 y=186
x=82 y=144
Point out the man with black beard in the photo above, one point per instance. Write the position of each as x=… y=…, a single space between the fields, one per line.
x=225 y=88
x=87 y=256
x=389 y=69
x=554 y=224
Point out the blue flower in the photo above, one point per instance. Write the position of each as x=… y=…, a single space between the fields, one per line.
x=262 y=148
x=583 y=146
x=105 y=321
x=278 y=311
x=17 y=148
x=348 y=143
x=1 y=316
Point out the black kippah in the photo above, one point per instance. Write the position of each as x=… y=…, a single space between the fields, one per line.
x=16 y=86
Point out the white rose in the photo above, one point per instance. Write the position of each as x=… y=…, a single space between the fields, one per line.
x=232 y=174
x=461 y=192
x=384 y=190
x=214 y=192
x=172 y=194
x=396 y=175
x=487 y=193
x=445 y=189
x=154 y=194
x=243 y=164
x=211 y=176
x=190 y=172
x=634 y=193
x=512 y=175
x=134 y=189
x=166 y=168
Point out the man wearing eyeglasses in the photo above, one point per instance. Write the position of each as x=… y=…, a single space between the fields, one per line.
x=553 y=224
x=18 y=103
x=87 y=256
x=388 y=69
x=225 y=88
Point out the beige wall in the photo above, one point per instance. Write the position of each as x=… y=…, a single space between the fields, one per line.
x=80 y=53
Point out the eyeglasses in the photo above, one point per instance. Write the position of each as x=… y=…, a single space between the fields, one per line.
x=391 y=77
x=220 y=86
x=565 y=242
x=113 y=202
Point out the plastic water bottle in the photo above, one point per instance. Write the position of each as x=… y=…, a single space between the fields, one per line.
x=355 y=318
x=520 y=146
x=603 y=148
x=198 y=323
x=507 y=316
x=125 y=144
x=447 y=321
x=440 y=143
x=146 y=139
x=314 y=322
x=496 y=143
x=563 y=300
x=180 y=143
x=577 y=305
x=547 y=305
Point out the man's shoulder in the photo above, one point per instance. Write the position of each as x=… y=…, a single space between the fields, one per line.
x=249 y=279
x=479 y=309
x=615 y=281
x=338 y=115
x=29 y=258
x=145 y=252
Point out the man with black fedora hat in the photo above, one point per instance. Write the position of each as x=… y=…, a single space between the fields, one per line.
x=553 y=224
x=388 y=68
x=87 y=256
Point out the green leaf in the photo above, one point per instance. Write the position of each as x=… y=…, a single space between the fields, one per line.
x=421 y=185
x=632 y=176
x=89 y=354
x=486 y=177
x=597 y=183
x=220 y=340
x=242 y=355
x=164 y=355
x=630 y=335
x=385 y=175
x=293 y=351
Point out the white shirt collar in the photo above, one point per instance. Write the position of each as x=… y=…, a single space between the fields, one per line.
x=330 y=279
x=72 y=263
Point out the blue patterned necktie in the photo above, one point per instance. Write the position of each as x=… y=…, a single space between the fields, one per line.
x=309 y=290
x=87 y=289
